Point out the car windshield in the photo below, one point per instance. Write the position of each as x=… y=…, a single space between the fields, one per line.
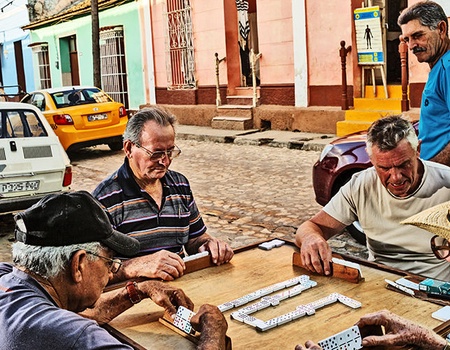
x=79 y=96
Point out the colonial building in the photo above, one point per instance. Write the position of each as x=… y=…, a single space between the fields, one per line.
x=234 y=63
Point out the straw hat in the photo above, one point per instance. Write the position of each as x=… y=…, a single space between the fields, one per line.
x=435 y=219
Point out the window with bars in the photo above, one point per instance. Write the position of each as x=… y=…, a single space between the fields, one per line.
x=43 y=62
x=179 y=45
x=113 y=67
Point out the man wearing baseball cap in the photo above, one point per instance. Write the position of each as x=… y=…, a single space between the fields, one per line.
x=63 y=259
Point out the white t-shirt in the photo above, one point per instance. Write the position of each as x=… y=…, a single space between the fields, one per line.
x=405 y=247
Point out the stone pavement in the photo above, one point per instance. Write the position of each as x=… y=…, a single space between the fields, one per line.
x=275 y=138
x=343 y=243
x=249 y=185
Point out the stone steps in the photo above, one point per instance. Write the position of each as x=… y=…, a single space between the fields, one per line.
x=237 y=114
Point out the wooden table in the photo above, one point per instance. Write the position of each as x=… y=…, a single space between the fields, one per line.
x=253 y=269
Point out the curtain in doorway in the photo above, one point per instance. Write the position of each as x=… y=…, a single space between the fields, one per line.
x=244 y=29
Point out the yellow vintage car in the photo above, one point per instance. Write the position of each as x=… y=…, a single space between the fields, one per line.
x=81 y=116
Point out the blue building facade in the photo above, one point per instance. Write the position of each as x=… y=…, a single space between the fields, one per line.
x=15 y=54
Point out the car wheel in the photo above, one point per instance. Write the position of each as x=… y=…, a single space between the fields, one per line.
x=357 y=233
x=115 y=146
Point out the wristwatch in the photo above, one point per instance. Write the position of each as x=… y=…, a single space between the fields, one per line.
x=133 y=294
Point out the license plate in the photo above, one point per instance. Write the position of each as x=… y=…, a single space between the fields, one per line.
x=95 y=117
x=19 y=186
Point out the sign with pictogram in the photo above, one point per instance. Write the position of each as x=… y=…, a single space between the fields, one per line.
x=369 y=43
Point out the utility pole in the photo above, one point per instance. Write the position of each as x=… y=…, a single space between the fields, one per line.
x=96 y=44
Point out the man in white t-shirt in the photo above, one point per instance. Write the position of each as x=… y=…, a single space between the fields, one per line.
x=398 y=186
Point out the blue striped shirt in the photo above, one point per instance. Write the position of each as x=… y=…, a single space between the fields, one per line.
x=134 y=212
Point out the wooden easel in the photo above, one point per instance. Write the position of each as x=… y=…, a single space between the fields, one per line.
x=372 y=67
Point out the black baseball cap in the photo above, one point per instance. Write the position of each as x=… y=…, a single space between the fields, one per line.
x=71 y=218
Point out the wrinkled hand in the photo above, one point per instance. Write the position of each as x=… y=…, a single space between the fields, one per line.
x=308 y=345
x=212 y=325
x=399 y=332
x=163 y=265
x=209 y=316
x=221 y=252
x=316 y=253
x=166 y=296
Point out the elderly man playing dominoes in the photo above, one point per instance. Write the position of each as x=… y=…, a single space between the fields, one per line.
x=155 y=205
x=398 y=331
x=399 y=185
x=64 y=257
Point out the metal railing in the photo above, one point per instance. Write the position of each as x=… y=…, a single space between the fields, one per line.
x=253 y=59
x=11 y=93
x=218 y=99
x=179 y=42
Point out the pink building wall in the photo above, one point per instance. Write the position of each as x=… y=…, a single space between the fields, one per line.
x=158 y=28
x=209 y=37
x=328 y=22
x=275 y=41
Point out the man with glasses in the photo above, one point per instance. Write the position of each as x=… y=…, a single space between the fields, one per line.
x=63 y=258
x=155 y=205
x=398 y=331
x=425 y=29
x=399 y=185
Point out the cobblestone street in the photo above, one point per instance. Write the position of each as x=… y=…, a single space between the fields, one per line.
x=246 y=193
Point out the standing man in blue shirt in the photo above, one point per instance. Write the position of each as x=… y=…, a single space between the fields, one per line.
x=425 y=29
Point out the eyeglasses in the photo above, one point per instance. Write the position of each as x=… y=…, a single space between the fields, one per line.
x=158 y=155
x=440 y=247
x=113 y=264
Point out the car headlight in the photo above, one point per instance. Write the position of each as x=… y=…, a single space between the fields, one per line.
x=325 y=151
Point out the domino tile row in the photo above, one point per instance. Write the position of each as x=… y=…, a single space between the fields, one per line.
x=243 y=315
x=302 y=281
x=349 y=339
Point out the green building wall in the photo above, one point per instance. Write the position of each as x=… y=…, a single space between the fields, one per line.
x=126 y=15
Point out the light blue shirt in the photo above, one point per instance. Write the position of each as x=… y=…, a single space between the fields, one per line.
x=434 y=125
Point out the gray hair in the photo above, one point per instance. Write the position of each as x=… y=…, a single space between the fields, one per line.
x=386 y=134
x=429 y=14
x=136 y=123
x=49 y=262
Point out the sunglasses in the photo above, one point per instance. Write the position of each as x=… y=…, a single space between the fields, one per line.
x=440 y=247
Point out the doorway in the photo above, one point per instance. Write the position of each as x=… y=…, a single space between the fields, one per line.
x=393 y=32
x=20 y=71
x=248 y=40
x=69 y=61
x=390 y=10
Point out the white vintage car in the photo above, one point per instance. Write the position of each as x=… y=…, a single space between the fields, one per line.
x=33 y=162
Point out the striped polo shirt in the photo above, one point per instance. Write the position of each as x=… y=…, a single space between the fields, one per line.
x=133 y=212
